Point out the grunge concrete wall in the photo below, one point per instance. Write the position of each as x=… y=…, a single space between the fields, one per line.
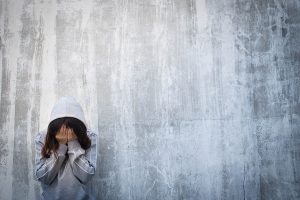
x=191 y=99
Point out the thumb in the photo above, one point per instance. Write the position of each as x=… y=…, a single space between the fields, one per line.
x=68 y=135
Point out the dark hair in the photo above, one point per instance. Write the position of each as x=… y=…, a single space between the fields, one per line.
x=70 y=122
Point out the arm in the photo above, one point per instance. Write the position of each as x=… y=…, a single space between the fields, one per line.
x=46 y=169
x=83 y=162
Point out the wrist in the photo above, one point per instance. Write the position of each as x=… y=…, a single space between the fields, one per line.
x=61 y=142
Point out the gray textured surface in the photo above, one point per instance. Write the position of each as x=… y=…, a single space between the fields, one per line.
x=191 y=99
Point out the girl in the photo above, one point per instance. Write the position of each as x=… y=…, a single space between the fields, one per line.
x=66 y=153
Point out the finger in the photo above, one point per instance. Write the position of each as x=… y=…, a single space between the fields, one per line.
x=58 y=133
x=73 y=133
x=65 y=133
x=68 y=132
x=68 y=135
x=61 y=129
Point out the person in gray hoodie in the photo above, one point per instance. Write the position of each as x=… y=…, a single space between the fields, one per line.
x=66 y=154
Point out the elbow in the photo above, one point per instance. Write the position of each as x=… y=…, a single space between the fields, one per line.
x=84 y=176
x=87 y=178
x=43 y=179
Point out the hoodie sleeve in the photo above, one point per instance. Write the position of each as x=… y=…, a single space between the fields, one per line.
x=83 y=162
x=46 y=169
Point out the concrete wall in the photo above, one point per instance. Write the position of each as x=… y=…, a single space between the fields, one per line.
x=192 y=99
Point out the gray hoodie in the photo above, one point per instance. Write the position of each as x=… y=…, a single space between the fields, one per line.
x=68 y=176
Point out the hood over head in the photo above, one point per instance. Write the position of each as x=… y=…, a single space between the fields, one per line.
x=67 y=106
